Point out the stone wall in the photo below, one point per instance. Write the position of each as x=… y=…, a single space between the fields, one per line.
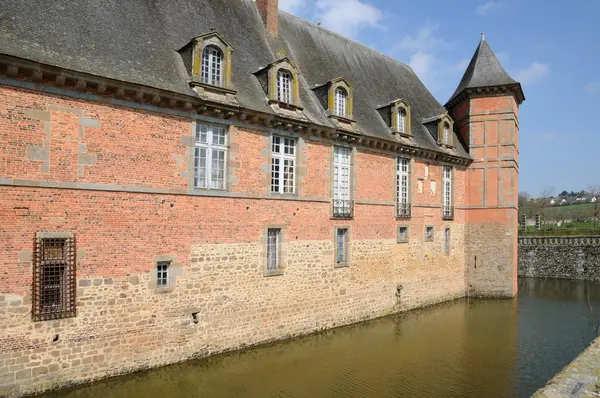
x=118 y=179
x=569 y=257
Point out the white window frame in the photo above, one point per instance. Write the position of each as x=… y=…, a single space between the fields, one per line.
x=445 y=133
x=342 y=169
x=162 y=273
x=285 y=86
x=212 y=65
x=279 y=158
x=401 y=120
x=273 y=249
x=213 y=145
x=447 y=188
x=340 y=101
x=402 y=180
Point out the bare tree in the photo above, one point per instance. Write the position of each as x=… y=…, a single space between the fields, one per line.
x=544 y=201
x=594 y=192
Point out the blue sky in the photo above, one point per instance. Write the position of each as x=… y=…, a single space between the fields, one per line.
x=552 y=48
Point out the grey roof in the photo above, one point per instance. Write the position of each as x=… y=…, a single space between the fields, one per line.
x=136 y=41
x=484 y=70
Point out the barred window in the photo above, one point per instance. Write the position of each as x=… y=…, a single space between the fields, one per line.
x=273 y=248
x=212 y=64
x=283 y=165
x=210 y=156
x=341 y=247
x=341 y=99
x=428 y=234
x=284 y=86
x=162 y=273
x=54 y=289
x=447 y=241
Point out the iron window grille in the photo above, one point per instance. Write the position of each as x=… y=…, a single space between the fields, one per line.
x=162 y=274
x=448 y=213
x=343 y=208
x=404 y=210
x=54 y=279
x=273 y=249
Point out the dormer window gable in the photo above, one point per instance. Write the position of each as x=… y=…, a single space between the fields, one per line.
x=207 y=59
x=397 y=115
x=281 y=84
x=445 y=129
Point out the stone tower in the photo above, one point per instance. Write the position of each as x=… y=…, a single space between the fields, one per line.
x=485 y=107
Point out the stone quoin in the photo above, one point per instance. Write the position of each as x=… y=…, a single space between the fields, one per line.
x=184 y=179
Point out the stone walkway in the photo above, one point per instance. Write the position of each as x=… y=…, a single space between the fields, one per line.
x=581 y=378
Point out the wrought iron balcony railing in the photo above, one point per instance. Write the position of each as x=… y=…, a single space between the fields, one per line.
x=447 y=212
x=343 y=208
x=404 y=210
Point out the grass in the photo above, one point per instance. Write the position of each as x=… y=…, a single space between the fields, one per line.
x=567 y=208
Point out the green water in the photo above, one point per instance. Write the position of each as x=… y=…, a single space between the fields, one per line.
x=466 y=348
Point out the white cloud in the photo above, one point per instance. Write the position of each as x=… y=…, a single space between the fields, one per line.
x=532 y=74
x=425 y=40
x=291 y=6
x=489 y=8
x=422 y=63
x=592 y=87
x=348 y=17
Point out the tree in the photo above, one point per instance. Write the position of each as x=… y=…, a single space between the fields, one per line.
x=523 y=199
x=563 y=194
x=544 y=201
x=594 y=191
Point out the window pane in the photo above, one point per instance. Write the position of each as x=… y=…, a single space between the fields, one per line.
x=284 y=79
x=200 y=167
x=273 y=249
x=275 y=175
x=341 y=245
x=288 y=176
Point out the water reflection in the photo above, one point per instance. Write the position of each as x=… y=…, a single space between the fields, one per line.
x=466 y=348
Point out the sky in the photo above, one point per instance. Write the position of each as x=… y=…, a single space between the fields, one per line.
x=552 y=48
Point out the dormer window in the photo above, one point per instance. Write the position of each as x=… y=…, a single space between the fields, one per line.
x=445 y=127
x=207 y=59
x=446 y=134
x=341 y=98
x=212 y=66
x=284 y=86
x=401 y=121
x=280 y=82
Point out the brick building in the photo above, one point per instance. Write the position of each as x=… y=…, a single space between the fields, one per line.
x=185 y=179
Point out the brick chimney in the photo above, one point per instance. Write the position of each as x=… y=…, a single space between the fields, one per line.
x=269 y=11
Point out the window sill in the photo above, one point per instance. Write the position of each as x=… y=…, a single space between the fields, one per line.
x=402 y=241
x=341 y=265
x=210 y=189
x=164 y=289
x=277 y=272
x=284 y=195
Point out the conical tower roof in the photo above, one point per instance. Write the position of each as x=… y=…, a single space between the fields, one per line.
x=485 y=71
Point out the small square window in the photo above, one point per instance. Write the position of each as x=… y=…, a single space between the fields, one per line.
x=162 y=274
x=429 y=234
x=402 y=234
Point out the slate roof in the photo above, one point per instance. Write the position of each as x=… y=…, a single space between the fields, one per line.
x=484 y=70
x=136 y=41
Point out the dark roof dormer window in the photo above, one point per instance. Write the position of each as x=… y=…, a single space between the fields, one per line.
x=281 y=84
x=336 y=96
x=398 y=117
x=207 y=59
x=445 y=131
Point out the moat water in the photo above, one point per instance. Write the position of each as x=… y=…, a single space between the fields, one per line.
x=465 y=348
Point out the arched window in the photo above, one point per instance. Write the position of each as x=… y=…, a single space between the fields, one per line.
x=341 y=99
x=284 y=86
x=446 y=134
x=401 y=120
x=212 y=66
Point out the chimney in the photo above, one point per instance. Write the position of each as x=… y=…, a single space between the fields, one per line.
x=269 y=11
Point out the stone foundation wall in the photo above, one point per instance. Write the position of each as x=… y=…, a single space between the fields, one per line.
x=569 y=257
x=220 y=301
